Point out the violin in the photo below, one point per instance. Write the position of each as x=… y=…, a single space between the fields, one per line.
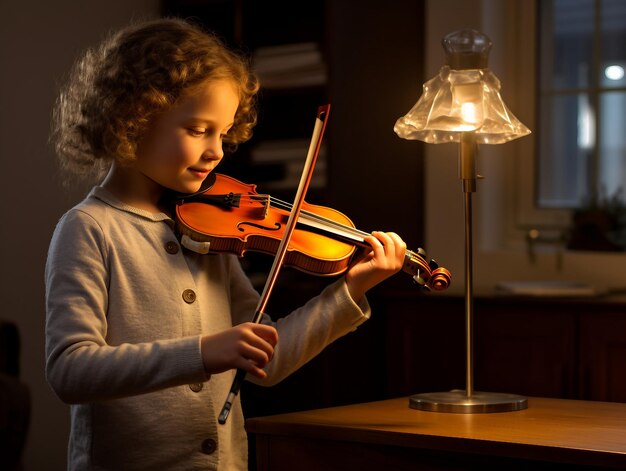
x=228 y=216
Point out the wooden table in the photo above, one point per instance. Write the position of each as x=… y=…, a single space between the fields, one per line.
x=552 y=434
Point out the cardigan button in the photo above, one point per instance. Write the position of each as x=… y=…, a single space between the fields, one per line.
x=171 y=247
x=189 y=296
x=208 y=446
x=196 y=387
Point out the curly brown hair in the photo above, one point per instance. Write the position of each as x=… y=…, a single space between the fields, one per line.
x=115 y=91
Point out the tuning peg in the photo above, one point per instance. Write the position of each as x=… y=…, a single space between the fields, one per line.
x=418 y=279
x=421 y=282
x=433 y=264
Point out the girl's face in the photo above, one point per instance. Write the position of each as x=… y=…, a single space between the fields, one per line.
x=185 y=144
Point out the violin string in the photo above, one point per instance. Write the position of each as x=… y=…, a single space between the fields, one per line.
x=287 y=206
x=275 y=202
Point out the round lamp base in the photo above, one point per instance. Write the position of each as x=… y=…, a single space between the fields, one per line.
x=458 y=402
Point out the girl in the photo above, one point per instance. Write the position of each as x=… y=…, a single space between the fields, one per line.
x=143 y=336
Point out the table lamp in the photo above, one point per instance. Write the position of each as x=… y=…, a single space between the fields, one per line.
x=463 y=104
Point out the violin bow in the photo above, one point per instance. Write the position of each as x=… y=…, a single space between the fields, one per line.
x=305 y=180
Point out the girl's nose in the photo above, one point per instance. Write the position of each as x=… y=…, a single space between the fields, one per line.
x=213 y=150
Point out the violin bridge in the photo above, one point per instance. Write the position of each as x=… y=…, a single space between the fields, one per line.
x=264 y=201
x=266 y=205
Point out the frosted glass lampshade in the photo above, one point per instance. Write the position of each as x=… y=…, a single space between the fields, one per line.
x=463 y=97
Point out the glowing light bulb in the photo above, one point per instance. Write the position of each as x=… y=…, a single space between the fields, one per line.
x=468 y=112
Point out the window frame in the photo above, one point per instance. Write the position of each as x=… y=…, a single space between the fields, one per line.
x=516 y=38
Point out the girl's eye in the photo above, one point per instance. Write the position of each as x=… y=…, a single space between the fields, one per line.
x=196 y=132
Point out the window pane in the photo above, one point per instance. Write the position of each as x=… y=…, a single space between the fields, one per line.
x=612 y=144
x=565 y=147
x=613 y=39
x=566 y=43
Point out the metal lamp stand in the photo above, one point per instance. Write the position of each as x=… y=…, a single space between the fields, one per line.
x=468 y=401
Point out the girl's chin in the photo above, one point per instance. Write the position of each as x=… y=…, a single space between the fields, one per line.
x=183 y=189
x=192 y=186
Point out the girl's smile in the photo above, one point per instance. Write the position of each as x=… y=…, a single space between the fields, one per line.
x=201 y=173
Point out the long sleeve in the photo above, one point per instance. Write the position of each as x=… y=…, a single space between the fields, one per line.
x=305 y=332
x=105 y=336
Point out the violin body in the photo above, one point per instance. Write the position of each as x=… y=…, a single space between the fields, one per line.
x=240 y=220
x=233 y=218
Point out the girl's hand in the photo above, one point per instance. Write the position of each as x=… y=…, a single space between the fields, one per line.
x=248 y=346
x=385 y=259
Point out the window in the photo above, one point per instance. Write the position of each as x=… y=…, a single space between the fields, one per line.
x=582 y=103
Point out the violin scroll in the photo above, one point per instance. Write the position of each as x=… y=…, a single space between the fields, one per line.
x=428 y=275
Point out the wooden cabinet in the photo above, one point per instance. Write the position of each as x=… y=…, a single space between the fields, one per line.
x=561 y=348
x=424 y=341
x=603 y=354
x=522 y=350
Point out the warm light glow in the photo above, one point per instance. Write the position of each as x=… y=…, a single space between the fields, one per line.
x=468 y=113
x=468 y=96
